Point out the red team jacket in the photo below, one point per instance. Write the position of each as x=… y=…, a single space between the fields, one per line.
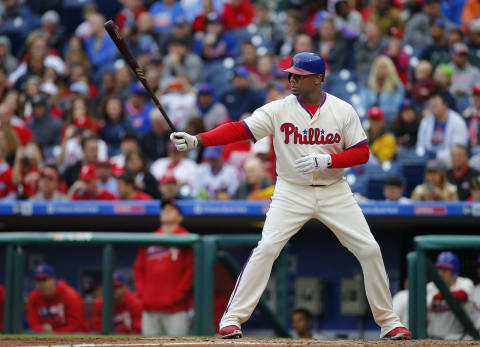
x=164 y=277
x=127 y=315
x=64 y=311
x=2 y=302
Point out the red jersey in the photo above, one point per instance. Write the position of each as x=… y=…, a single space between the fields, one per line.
x=2 y=304
x=164 y=277
x=24 y=133
x=63 y=311
x=6 y=184
x=238 y=17
x=104 y=195
x=139 y=195
x=127 y=315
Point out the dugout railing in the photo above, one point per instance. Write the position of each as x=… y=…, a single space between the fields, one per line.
x=420 y=268
x=207 y=250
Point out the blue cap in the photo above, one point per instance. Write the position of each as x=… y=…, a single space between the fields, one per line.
x=118 y=279
x=137 y=88
x=213 y=152
x=406 y=103
x=44 y=271
x=307 y=63
x=448 y=260
x=241 y=71
x=205 y=88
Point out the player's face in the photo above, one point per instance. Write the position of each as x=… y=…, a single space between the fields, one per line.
x=46 y=286
x=392 y=193
x=170 y=215
x=446 y=275
x=302 y=84
x=118 y=292
x=300 y=323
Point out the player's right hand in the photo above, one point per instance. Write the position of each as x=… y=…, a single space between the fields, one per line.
x=183 y=141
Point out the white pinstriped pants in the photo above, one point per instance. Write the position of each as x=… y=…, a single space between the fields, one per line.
x=292 y=206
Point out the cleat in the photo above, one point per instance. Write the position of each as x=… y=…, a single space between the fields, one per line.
x=399 y=333
x=231 y=332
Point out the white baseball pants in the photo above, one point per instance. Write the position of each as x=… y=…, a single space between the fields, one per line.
x=292 y=206
x=162 y=323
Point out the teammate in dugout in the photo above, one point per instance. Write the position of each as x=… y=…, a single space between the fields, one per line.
x=127 y=309
x=442 y=322
x=316 y=135
x=54 y=306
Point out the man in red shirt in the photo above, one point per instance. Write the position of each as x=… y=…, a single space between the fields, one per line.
x=126 y=188
x=127 y=309
x=164 y=280
x=88 y=186
x=54 y=306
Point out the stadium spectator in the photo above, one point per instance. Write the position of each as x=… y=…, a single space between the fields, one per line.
x=155 y=141
x=28 y=163
x=464 y=74
x=302 y=324
x=2 y=305
x=115 y=124
x=256 y=186
x=405 y=125
x=381 y=143
x=80 y=115
x=242 y=97
x=129 y=144
x=48 y=185
x=423 y=85
x=238 y=14
x=88 y=186
x=216 y=43
x=46 y=129
x=178 y=99
x=99 y=46
x=214 y=175
x=198 y=24
x=182 y=30
x=386 y=16
x=209 y=108
x=442 y=77
x=54 y=306
x=136 y=163
x=184 y=169
x=131 y=11
x=127 y=309
x=8 y=62
x=435 y=186
x=52 y=30
x=89 y=154
x=347 y=20
x=293 y=24
x=438 y=51
x=127 y=190
x=397 y=54
x=440 y=129
x=461 y=174
x=105 y=174
x=393 y=187
x=472 y=115
x=400 y=303
x=474 y=189
x=123 y=80
x=138 y=108
x=181 y=61
x=165 y=13
x=8 y=117
x=332 y=46
x=165 y=307
x=442 y=322
x=303 y=42
x=268 y=28
x=474 y=42
x=384 y=88
x=76 y=55
x=367 y=48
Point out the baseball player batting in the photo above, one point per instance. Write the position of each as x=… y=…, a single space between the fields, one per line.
x=316 y=135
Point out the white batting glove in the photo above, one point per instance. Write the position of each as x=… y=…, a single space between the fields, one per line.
x=312 y=163
x=183 y=141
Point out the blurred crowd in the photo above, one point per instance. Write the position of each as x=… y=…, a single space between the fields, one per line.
x=76 y=125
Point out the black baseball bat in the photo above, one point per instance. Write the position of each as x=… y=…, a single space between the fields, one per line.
x=117 y=38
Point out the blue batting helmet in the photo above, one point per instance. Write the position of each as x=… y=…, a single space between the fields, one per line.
x=448 y=260
x=307 y=63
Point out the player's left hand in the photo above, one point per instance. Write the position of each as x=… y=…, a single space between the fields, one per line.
x=312 y=163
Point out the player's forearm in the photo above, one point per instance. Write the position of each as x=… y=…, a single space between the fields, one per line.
x=351 y=157
x=223 y=135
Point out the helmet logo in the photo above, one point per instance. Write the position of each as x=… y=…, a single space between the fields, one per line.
x=296 y=61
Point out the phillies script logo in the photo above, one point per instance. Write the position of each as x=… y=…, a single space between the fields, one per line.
x=312 y=136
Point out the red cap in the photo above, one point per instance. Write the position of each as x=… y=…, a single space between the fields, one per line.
x=168 y=178
x=88 y=172
x=396 y=32
x=476 y=89
x=375 y=112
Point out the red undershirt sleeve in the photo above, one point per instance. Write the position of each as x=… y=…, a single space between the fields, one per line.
x=225 y=134
x=351 y=157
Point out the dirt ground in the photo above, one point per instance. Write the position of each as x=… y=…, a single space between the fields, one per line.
x=215 y=342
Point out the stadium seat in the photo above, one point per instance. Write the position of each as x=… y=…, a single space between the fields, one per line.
x=357 y=178
x=376 y=173
x=413 y=164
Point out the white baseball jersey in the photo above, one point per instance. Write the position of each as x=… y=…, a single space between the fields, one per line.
x=442 y=322
x=475 y=308
x=332 y=129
